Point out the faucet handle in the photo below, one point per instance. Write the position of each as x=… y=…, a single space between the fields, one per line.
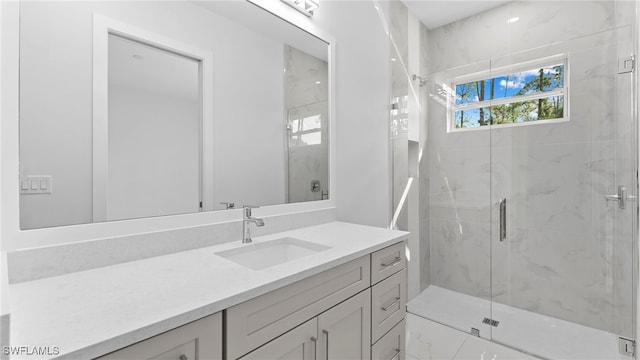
x=247 y=209
x=228 y=205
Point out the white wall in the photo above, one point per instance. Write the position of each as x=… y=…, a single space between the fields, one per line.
x=8 y=105
x=55 y=121
x=362 y=109
x=360 y=182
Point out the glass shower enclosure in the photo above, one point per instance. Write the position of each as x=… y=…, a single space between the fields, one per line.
x=530 y=194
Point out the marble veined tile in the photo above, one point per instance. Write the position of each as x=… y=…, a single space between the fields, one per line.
x=486 y=35
x=461 y=256
x=539 y=21
x=530 y=332
x=479 y=349
x=428 y=340
x=457 y=310
x=552 y=338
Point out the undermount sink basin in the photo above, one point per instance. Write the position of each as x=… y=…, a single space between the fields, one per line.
x=260 y=256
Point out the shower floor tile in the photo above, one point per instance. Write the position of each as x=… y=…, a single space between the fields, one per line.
x=428 y=340
x=534 y=333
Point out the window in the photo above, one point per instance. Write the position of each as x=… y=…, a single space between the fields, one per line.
x=306 y=131
x=514 y=95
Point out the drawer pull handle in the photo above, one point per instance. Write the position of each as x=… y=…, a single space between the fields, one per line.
x=326 y=334
x=397 y=301
x=395 y=260
x=315 y=347
x=183 y=357
x=396 y=356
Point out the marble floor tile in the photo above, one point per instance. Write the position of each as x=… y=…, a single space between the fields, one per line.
x=475 y=348
x=537 y=334
x=428 y=340
x=457 y=310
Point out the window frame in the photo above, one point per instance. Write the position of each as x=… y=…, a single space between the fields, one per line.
x=503 y=71
x=299 y=132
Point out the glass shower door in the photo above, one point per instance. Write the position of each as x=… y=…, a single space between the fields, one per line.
x=457 y=178
x=563 y=187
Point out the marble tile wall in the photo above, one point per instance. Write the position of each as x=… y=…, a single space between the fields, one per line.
x=423 y=166
x=306 y=94
x=409 y=55
x=568 y=252
x=398 y=44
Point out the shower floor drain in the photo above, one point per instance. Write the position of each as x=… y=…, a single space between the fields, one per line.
x=491 y=322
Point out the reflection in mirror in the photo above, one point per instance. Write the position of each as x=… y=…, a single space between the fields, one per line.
x=154 y=132
x=175 y=139
x=306 y=102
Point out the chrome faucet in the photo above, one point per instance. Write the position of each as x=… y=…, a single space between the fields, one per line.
x=246 y=220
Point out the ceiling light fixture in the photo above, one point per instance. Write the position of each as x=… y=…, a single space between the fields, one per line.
x=513 y=19
x=306 y=7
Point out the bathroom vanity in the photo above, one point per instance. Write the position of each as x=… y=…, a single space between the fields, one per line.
x=335 y=291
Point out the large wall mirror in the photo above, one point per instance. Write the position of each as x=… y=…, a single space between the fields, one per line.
x=137 y=109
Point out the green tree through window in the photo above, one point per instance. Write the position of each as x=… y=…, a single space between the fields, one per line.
x=535 y=94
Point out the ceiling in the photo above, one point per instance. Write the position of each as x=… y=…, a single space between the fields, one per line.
x=435 y=13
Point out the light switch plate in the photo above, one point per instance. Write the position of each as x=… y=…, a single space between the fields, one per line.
x=36 y=184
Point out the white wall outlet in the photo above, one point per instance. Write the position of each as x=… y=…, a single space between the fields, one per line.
x=36 y=184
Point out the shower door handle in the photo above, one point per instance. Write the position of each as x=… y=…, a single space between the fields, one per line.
x=621 y=197
x=503 y=219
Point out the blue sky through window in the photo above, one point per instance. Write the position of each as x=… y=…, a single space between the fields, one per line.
x=515 y=84
x=519 y=97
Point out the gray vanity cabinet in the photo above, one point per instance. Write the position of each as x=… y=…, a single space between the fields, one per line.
x=258 y=321
x=341 y=332
x=351 y=311
x=388 y=302
x=392 y=345
x=358 y=308
x=201 y=339
x=297 y=344
x=344 y=330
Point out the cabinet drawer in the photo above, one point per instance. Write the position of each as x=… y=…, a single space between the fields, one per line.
x=391 y=346
x=388 y=299
x=261 y=319
x=299 y=343
x=201 y=339
x=387 y=261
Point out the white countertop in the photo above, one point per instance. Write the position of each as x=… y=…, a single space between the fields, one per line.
x=90 y=313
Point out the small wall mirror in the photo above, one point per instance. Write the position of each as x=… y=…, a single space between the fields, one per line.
x=143 y=109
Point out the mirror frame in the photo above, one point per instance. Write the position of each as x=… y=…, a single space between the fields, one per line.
x=13 y=238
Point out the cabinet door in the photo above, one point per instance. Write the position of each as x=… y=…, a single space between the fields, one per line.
x=201 y=339
x=345 y=330
x=391 y=346
x=297 y=344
